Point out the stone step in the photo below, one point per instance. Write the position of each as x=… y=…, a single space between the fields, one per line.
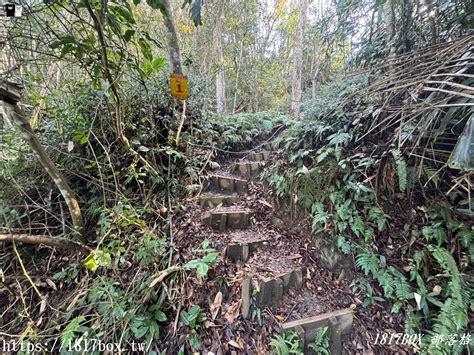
x=246 y=169
x=227 y=219
x=259 y=156
x=271 y=290
x=339 y=323
x=267 y=146
x=241 y=251
x=215 y=200
x=230 y=184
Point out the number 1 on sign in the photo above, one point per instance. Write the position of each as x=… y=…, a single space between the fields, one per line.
x=179 y=86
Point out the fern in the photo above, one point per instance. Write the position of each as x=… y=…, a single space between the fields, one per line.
x=339 y=138
x=323 y=153
x=287 y=344
x=343 y=244
x=69 y=333
x=432 y=175
x=386 y=281
x=448 y=264
x=320 y=217
x=403 y=290
x=401 y=166
x=378 y=216
x=453 y=317
x=321 y=342
x=368 y=262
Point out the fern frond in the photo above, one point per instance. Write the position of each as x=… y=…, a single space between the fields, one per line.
x=403 y=290
x=368 y=262
x=339 y=138
x=69 y=333
x=401 y=166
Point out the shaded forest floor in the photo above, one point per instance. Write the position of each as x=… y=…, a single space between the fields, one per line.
x=286 y=247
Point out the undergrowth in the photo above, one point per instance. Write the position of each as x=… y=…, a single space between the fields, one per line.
x=412 y=241
x=106 y=295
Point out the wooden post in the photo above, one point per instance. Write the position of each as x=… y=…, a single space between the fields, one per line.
x=335 y=336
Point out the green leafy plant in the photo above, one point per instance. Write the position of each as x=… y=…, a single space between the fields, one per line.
x=202 y=264
x=320 y=345
x=72 y=329
x=363 y=286
x=287 y=344
x=146 y=325
x=98 y=258
x=401 y=166
x=193 y=318
x=452 y=317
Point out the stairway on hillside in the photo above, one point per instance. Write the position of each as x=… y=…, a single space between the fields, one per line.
x=275 y=277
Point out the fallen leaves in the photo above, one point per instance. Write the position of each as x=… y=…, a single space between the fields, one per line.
x=239 y=344
x=51 y=284
x=294 y=256
x=265 y=203
x=233 y=311
x=216 y=305
x=163 y=274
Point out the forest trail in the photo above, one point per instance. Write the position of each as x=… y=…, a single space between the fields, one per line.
x=237 y=177
x=271 y=271
x=273 y=275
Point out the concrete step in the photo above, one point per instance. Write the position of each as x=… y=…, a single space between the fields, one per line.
x=271 y=290
x=241 y=251
x=213 y=200
x=246 y=169
x=259 y=156
x=339 y=323
x=267 y=146
x=230 y=184
x=227 y=219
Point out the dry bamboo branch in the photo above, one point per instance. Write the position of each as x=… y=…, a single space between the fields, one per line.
x=456 y=93
x=460 y=86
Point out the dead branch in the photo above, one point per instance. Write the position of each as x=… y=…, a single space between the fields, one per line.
x=46 y=240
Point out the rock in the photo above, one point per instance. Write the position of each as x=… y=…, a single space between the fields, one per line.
x=277 y=222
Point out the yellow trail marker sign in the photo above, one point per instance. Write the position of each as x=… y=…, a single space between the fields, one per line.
x=179 y=86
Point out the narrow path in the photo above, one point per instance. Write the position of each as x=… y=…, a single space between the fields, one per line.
x=273 y=270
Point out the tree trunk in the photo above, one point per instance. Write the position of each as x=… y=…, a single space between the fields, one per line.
x=407 y=20
x=220 y=78
x=113 y=87
x=175 y=54
x=298 y=61
x=19 y=119
x=237 y=76
x=389 y=18
x=432 y=14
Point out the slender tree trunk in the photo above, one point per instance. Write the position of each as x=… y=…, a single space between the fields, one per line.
x=220 y=78
x=113 y=87
x=406 y=23
x=42 y=94
x=237 y=76
x=298 y=61
x=175 y=54
x=432 y=14
x=23 y=124
x=389 y=17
